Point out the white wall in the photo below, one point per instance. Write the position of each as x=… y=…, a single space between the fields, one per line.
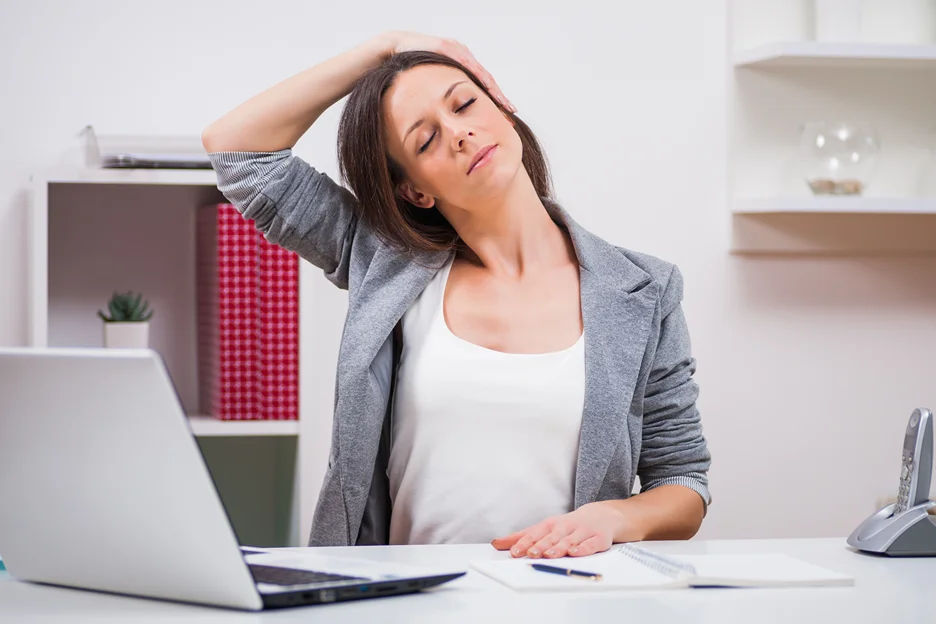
x=808 y=367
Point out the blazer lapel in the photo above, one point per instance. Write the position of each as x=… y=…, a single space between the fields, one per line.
x=392 y=283
x=618 y=304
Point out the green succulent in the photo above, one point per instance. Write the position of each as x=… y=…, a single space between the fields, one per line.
x=126 y=308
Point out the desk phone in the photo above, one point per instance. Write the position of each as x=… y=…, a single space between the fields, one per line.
x=906 y=528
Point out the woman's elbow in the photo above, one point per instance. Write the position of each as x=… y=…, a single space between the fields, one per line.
x=209 y=140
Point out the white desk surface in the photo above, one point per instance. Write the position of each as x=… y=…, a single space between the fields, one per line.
x=885 y=590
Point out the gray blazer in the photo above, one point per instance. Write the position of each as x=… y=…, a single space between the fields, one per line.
x=639 y=420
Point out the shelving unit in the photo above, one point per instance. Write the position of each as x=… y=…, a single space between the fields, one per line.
x=835 y=205
x=206 y=426
x=779 y=84
x=172 y=177
x=837 y=55
x=94 y=231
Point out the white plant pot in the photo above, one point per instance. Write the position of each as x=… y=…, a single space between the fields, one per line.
x=126 y=335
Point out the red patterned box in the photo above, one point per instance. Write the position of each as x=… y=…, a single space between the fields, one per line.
x=248 y=308
x=279 y=333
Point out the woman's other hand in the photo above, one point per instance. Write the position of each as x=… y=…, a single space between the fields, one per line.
x=588 y=530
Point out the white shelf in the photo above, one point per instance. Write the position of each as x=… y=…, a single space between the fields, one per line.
x=207 y=426
x=75 y=261
x=835 y=205
x=838 y=55
x=177 y=177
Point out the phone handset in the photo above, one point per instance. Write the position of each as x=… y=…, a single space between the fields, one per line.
x=916 y=461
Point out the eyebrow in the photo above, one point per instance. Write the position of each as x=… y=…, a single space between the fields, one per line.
x=444 y=97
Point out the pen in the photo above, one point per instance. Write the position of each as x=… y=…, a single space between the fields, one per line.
x=565 y=571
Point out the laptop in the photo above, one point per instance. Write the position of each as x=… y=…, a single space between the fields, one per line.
x=103 y=487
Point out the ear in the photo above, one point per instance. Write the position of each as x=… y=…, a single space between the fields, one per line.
x=408 y=192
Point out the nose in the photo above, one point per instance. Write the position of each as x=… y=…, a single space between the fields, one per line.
x=459 y=134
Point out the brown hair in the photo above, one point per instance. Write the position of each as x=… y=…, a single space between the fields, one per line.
x=372 y=175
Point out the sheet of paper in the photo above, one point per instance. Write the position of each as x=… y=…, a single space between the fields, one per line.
x=617 y=573
x=760 y=570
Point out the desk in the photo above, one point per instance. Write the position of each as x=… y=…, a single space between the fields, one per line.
x=885 y=590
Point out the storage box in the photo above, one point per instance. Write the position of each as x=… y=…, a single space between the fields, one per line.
x=248 y=317
x=278 y=383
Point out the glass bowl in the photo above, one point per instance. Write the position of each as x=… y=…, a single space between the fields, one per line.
x=838 y=157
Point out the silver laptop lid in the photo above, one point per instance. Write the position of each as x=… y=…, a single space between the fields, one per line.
x=102 y=485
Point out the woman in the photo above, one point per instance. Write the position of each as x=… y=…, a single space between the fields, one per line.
x=503 y=374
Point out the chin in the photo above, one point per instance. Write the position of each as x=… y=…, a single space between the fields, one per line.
x=497 y=183
x=505 y=166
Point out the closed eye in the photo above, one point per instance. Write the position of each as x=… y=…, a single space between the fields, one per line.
x=425 y=145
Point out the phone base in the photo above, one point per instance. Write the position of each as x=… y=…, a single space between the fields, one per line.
x=908 y=534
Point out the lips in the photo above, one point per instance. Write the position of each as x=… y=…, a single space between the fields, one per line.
x=481 y=153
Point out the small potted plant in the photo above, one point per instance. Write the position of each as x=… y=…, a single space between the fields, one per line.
x=127 y=326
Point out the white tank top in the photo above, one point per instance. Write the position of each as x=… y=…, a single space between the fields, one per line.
x=484 y=443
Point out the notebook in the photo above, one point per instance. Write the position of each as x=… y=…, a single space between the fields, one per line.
x=631 y=567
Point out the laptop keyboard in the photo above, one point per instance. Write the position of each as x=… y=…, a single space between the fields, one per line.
x=274 y=575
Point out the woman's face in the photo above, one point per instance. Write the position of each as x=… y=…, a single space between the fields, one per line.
x=437 y=121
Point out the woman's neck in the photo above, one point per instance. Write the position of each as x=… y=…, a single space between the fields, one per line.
x=511 y=234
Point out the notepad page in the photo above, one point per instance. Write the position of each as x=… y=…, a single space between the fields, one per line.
x=760 y=570
x=617 y=573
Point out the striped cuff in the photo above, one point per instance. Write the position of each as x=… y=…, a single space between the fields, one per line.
x=696 y=483
x=243 y=175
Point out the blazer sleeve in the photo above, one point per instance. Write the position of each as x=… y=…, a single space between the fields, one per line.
x=293 y=205
x=673 y=450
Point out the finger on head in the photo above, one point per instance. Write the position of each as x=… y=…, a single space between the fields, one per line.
x=467 y=58
x=490 y=83
x=483 y=76
x=498 y=95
